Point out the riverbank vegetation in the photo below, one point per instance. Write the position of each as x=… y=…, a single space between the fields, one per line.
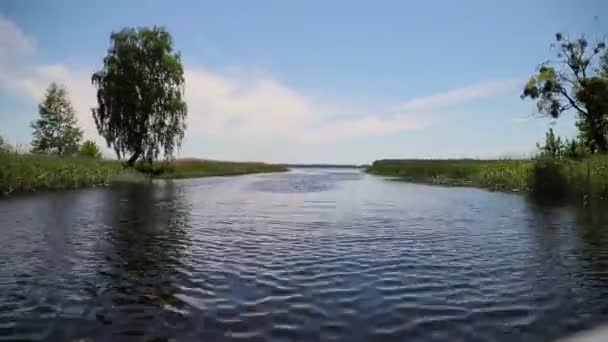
x=584 y=179
x=21 y=173
x=27 y=172
x=193 y=168
x=492 y=174
x=562 y=168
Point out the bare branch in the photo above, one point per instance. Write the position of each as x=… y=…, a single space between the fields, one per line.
x=572 y=102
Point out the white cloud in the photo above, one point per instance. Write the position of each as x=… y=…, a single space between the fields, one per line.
x=242 y=106
x=13 y=41
x=239 y=104
x=469 y=93
x=254 y=106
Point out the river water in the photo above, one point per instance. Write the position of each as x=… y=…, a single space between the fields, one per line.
x=304 y=255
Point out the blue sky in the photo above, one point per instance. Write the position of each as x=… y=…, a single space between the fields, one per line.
x=311 y=81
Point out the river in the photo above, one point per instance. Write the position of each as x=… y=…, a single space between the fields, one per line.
x=311 y=254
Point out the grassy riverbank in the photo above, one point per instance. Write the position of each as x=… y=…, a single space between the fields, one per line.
x=585 y=177
x=29 y=172
x=20 y=173
x=193 y=168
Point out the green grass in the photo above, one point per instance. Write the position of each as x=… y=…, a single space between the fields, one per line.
x=29 y=172
x=586 y=177
x=21 y=173
x=193 y=168
x=493 y=174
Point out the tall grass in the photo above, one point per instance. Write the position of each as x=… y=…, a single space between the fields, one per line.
x=29 y=172
x=584 y=178
x=493 y=174
x=190 y=168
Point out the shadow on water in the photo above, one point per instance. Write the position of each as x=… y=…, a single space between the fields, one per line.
x=588 y=221
x=593 y=250
x=575 y=241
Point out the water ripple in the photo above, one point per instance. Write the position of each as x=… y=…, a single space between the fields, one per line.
x=305 y=255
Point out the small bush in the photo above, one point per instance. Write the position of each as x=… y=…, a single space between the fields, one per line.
x=154 y=168
x=548 y=179
x=90 y=149
x=3 y=145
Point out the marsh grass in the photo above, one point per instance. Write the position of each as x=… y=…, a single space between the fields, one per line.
x=192 y=168
x=585 y=178
x=493 y=174
x=24 y=172
x=30 y=172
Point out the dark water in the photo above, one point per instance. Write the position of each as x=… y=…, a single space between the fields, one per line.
x=306 y=255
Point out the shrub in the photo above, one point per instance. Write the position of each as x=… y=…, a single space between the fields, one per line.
x=90 y=149
x=3 y=145
x=154 y=168
x=548 y=179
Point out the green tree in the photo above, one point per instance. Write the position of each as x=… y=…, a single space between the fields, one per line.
x=90 y=149
x=56 y=131
x=553 y=146
x=574 y=149
x=604 y=65
x=575 y=81
x=3 y=145
x=140 y=111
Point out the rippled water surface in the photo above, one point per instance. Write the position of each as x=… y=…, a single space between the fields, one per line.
x=305 y=255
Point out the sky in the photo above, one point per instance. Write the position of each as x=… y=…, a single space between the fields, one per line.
x=311 y=81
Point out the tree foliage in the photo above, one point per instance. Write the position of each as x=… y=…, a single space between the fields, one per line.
x=56 y=131
x=553 y=146
x=573 y=149
x=604 y=65
x=556 y=148
x=140 y=109
x=577 y=81
x=3 y=145
x=90 y=149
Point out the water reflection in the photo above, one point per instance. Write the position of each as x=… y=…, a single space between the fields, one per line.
x=575 y=245
x=592 y=227
x=144 y=258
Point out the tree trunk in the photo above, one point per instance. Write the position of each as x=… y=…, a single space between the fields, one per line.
x=133 y=159
x=600 y=138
